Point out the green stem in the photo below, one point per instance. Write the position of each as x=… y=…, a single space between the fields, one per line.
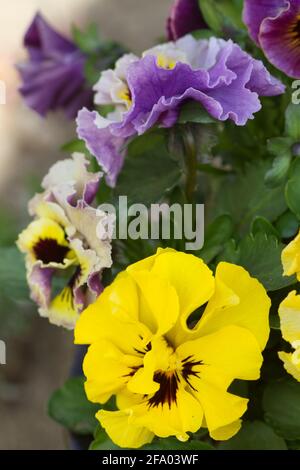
x=190 y=154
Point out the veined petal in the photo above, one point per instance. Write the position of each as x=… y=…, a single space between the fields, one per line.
x=122 y=431
x=178 y=419
x=157 y=358
x=107 y=370
x=251 y=311
x=231 y=350
x=62 y=310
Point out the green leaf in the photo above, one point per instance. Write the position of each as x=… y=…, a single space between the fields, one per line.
x=254 y=435
x=174 y=444
x=281 y=148
x=262 y=225
x=281 y=404
x=194 y=112
x=216 y=235
x=292 y=190
x=149 y=171
x=203 y=34
x=287 y=225
x=223 y=13
x=70 y=407
x=75 y=145
x=101 y=441
x=260 y=254
x=88 y=41
x=13 y=284
x=245 y=196
x=292 y=121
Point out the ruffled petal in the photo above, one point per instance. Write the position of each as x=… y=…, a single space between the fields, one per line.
x=238 y=300
x=122 y=431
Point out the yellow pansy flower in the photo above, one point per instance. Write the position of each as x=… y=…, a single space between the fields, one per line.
x=170 y=370
x=289 y=312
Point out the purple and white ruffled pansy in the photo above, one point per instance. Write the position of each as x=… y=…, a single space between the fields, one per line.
x=275 y=27
x=150 y=91
x=53 y=77
x=64 y=254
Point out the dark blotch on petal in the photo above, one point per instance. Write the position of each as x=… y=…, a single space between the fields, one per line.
x=48 y=251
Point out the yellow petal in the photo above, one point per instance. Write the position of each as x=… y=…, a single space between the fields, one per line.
x=289 y=364
x=290 y=257
x=62 y=311
x=220 y=408
x=122 y=432
x=226 y=432
x=107 y=370
x=115 y=310
x=184 y=416
x=232 y=351
x=41 y=229
x=147 y=263
x=289 y=313
x=192 y=279
x=250 y=311
x=158 y=358
x=126 y=399
x=159 y=307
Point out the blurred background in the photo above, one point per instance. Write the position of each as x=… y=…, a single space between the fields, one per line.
x=39 y=356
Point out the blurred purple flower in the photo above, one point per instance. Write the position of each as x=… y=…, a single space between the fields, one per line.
x=275 y=26
x=185 y=17
x=217 y=74
x=53 y=77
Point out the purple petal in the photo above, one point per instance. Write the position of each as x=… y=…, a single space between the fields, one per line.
x=40 y=282
x=255 y=11
x=280 y=39
x=102 y=144
x=229 y=90
x=41 y=38
x=53 y=78
x=185 y=17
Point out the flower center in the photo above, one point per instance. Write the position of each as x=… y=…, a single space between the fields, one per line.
x=169 y=380
x=166 y=62
x=125 y=95
x=48 y=251
x=294 y=30
x=168 y=387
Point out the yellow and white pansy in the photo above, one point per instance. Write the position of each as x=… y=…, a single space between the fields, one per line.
x=168 y=338
x=64 y=257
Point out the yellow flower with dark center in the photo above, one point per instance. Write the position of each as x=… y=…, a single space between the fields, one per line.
x=170 y=370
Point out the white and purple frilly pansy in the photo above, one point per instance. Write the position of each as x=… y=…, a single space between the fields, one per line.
x=149 y=91
x=64 y=254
